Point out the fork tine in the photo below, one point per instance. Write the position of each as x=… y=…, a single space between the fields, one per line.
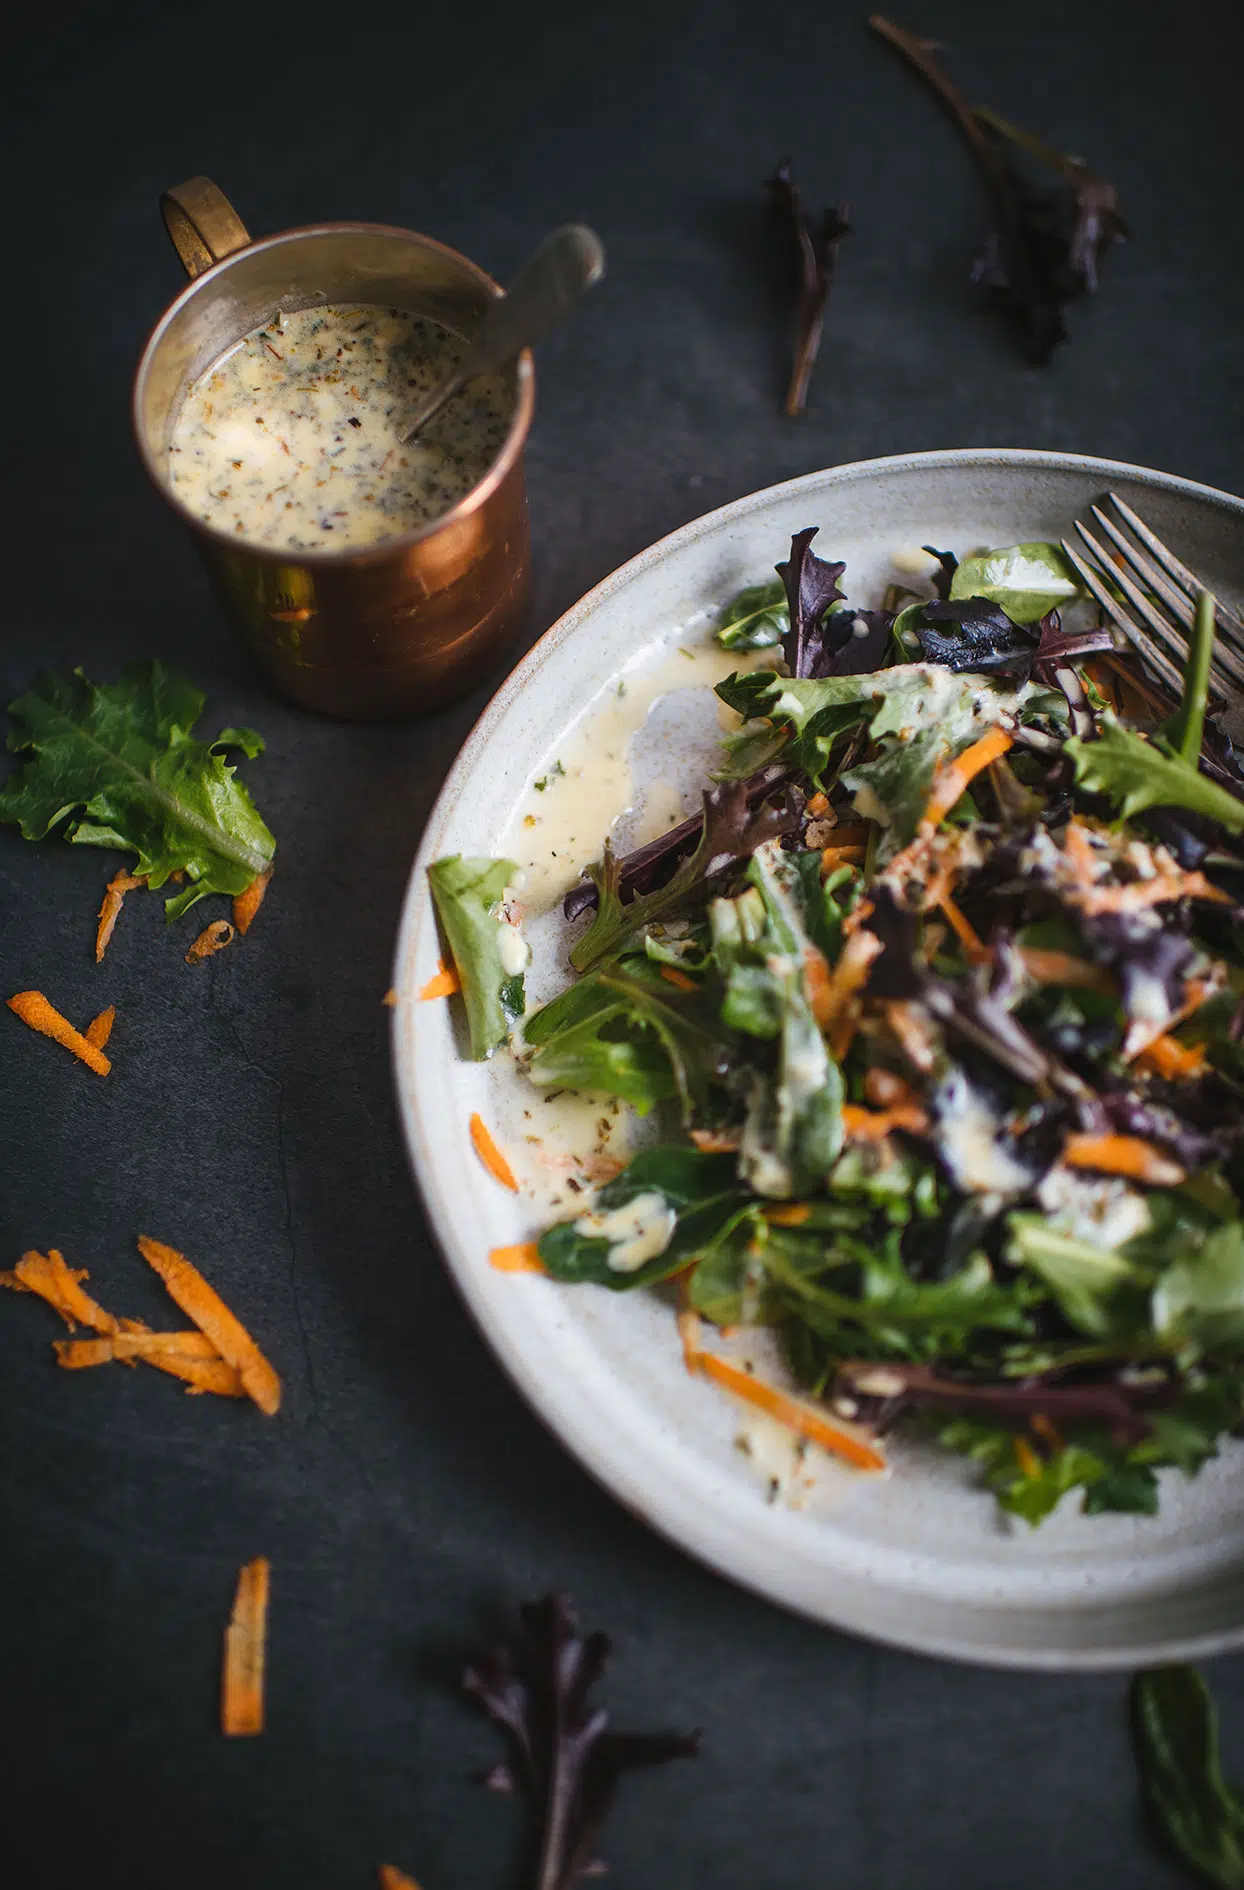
x=1160 y=664
x=1224 y=662
x=1225 y=619
x=1160 y=625
x=1147 y=570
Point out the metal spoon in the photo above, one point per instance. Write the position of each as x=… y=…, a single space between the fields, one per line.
x=566 y=264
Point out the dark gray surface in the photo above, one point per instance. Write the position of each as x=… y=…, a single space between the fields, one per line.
x=406 y=1497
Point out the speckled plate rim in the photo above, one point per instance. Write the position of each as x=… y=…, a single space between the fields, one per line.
x=657 y=1508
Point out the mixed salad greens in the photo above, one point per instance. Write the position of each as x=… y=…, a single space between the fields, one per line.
x=941 y=998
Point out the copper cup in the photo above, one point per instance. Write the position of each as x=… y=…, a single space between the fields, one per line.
x=368 y=634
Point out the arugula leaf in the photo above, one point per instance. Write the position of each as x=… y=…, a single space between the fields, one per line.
x=1026 y=581
x=1175 y=1735
x=1137 y=774
x=118 y=765
x=756 y=619
x=626 y=1030
x=468 y=895
x=1025 y=1493
x=701 y=1191
x=1084 y=1279
x=562 y=1759
x=731 y=832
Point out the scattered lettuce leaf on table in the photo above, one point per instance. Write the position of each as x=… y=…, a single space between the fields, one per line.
x=1195 y=1812
x=117 y=765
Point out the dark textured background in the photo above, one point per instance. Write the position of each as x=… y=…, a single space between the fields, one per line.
x=406 y=1497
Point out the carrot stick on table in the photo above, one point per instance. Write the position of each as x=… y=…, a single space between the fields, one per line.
x=60 y=1286
x=242 y=1679
x=99 y=1029
x=33 y=1009
x=190 y=1356
x=247 y=903
x=213 y=938
x=201 y=1303
x=110 y=911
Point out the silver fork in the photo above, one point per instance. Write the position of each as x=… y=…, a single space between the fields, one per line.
x=1162 y=592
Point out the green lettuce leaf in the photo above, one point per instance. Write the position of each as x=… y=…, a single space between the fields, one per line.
x=468 y=894
x=1136 y=774
x=1026 y=580
x=1084 y=1279
x=1200 y=1298
x=701 y=1191
x=117 y=765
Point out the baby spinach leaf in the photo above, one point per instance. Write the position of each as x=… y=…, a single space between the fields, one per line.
x=1200 y=1297
x=468 y=895
x=1175 y=1735
x=1137 y=774
x=756 y=619
x=1026 y=581
x=117 y=765
x=700 y=1190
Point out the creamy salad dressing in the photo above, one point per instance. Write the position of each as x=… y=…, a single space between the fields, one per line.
x=589 y=777
x=290 y=439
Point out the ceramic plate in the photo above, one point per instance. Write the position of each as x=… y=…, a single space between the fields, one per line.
x=920 y=1558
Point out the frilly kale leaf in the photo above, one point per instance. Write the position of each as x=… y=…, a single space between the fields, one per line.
x=118 y=765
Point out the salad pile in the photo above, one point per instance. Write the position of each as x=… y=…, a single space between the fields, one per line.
x=940 y=1003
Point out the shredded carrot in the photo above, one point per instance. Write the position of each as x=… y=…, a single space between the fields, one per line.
x=60 y=1286
x=1046 y=1429
x=835 y=856
x=817 y=805
x=690 y=1326
x=953 y=778
x=1050 y=967
x=391 y=1878
x=1027 y=1458
x=788 y=1214
x=389 y=1000
x=444 y=984
x=1173 y=1059
x=190 y=1356
x=1140 y=894
x=915 y=1034
x=716 y=1141
x=1140 y=1035
x=1080 y=851
x=110 y=911
x=887 y=1089
x=1127 y=1155
x=242 y=1684
x=873 y=1125
x=963 y=929
x=99 y=1029
x=790 y=1411
x=851 y=834
x=491 y=1156
x=187 y=1287
x=247 y=903
x=213 y=938
x=848 y=977
x=679 y=978
x=817 y=984
x=33 y=1009
x=523 y=1258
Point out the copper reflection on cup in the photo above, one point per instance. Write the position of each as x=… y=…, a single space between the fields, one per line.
x=390 y=629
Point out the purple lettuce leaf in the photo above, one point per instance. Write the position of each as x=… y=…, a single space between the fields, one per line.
x=811 y=588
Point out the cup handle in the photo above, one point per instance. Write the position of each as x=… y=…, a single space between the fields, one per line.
x=203 y=224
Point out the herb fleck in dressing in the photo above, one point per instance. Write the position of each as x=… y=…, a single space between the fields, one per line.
x=290 y=439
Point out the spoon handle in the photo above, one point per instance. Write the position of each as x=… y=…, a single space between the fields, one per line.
x=566 y=264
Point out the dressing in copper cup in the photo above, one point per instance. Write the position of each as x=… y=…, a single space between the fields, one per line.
x=376 y=632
